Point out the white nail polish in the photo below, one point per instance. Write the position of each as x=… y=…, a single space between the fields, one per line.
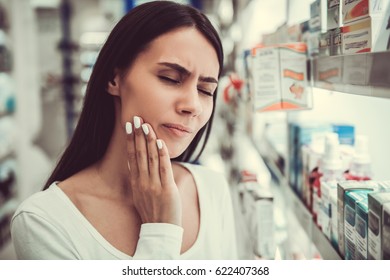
x=159 y=144
x=137 y=122
x=129 y=128
x=145 y=128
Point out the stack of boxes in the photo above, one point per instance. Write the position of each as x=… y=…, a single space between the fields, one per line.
x=362 y=21
x=352 y=26
x=363 y=220
x=353 y=214
x=349 y=193
x=338 y=27
x=356 y=26
x=334 y=23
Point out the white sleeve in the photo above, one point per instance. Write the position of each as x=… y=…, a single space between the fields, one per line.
x=35 y=238
x=229 y=237
x=159 y=241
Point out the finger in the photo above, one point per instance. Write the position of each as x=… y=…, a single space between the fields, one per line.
x=131 y=156
x=152 y=156
x=165 y=166
x=140 y=149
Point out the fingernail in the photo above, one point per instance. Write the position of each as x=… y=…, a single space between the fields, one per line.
x=159 y=144
x=137 y=122
x=145 y=128
x=129 y=128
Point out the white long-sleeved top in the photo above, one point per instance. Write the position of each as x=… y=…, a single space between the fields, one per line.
x=48 y=225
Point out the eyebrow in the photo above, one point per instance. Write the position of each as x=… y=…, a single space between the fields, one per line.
x=185 y=72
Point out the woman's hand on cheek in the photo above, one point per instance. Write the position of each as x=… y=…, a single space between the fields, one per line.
x=154 y=190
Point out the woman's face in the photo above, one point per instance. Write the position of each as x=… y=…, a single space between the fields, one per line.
x=170 y=85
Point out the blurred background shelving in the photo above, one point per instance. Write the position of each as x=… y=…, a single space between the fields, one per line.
x=364 y=74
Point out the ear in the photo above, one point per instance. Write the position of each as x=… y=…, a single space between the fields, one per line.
x=113 y=86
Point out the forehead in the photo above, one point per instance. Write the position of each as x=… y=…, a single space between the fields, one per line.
x=187 y=47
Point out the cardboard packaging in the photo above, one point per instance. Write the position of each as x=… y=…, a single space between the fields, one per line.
x=315 y=16
x=376 y=202
x=357 y=9
x=382 y=42
x=386 y=232
x=361 y=229
x=334 y=233
x=328 y=189
x=342 y=188
x=336 y=47
x=280 y=79
x=351 y=201
x=325 y=44
x=370 y=33
x=358 y=36
x=334 y=18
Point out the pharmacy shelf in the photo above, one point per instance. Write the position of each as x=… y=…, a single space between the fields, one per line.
x=303 y=215
x=361 y=74
x=305 y=219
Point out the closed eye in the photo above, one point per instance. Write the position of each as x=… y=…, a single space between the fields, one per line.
x=178 y=82
x=169 y=80
x=205 y=92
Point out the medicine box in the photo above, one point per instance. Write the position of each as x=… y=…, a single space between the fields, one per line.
x=386 y=232
x=325 y=43
x=334 y=14
x=361 y=227
x=351 y=199
x=334 y=238
x=327 y=188
x=280 y=79
x=315 y=16
x=382 y=42
x=357 y=9
x=358 y=35
x=342 y=188
x=375 y=216
x=336 y=47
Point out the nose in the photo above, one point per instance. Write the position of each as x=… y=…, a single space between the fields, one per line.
x=190 y=103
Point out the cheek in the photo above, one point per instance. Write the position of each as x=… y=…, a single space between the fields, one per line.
x=207 y=110
x=136 y=99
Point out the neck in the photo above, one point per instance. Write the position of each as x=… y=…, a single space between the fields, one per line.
x=112 y=168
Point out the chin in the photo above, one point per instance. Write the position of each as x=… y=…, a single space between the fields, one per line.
x=175 y=154
x=175 y=151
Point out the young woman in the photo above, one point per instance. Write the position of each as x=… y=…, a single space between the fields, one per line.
x=124 y=187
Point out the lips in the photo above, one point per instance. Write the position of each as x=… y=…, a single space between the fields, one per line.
x=178 y=129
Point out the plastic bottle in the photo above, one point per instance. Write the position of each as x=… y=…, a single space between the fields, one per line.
x=360 y=169
x=331 y=169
